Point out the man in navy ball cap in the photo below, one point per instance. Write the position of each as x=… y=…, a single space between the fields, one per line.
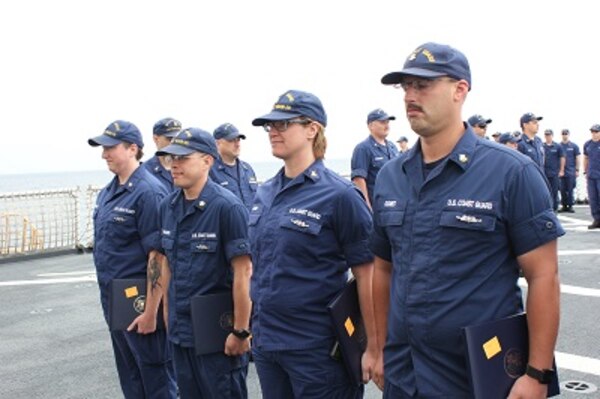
x=204 y=234
x=162 y=133
x=530 y=144
x=372 y=153
x=479 y=124
x=455 y=220
x=229 y=170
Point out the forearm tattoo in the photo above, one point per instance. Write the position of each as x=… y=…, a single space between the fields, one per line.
x=154 y=273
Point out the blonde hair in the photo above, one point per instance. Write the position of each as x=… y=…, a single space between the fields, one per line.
x=320 y=142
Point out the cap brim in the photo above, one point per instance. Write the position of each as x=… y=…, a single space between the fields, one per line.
x=396 y=77
x=274 y=116
x=103 y=140
x=233 y=136
x=175 y=149
x=387 y=118
x=488 y=121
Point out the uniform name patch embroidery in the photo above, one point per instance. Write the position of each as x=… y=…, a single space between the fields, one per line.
x=124 y=210
x=468 y=219
x=305 y=212
x=467 y=203
x=204 y=235
x=390 y=204
x=299 y=223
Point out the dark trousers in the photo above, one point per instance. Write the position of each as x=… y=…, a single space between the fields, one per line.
x=593 y=187
x=567 y=185
x=144 y=365
x=212 y=376
x=306 y=374
x=553 y=181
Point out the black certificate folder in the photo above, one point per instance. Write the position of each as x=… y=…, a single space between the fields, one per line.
x=127 y=301
x=497 y=354
x=212 y=321
x=344 y=311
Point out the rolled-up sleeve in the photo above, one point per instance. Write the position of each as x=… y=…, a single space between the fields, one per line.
x=531 y=221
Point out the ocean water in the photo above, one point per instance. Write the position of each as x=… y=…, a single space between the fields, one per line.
x=82 y=179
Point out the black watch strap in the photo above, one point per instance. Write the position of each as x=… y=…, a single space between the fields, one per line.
x=542 y=376
x=241 y=334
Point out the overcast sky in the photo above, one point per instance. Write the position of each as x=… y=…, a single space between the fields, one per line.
x=69 y=68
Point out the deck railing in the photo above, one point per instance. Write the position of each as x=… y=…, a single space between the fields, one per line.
x=42 y=222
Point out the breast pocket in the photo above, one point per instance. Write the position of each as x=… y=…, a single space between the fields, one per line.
x=303 y=225
x=392 y=222
x=121 y=228
x=465 y=239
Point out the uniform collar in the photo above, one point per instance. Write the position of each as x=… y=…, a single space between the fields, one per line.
x=527 y=139
x=200 y=203
x=313 y=173
x=376 y=144
x=131 y=183
x=461 y=154
x=221 y=165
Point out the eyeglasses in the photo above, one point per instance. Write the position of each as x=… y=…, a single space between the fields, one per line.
x=282 y=126
x=482 y=126
x=420 y=84
x=181 y=158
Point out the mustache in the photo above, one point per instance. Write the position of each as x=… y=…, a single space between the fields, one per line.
x=414 y=107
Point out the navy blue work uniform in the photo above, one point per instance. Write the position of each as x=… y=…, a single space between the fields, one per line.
x=200 y=239
x=533 y=148
x=125 y=231
x=553 y=154
x=569 y=180
x=305 y=234
x=240 y=179
x=154 y=166
x=368 y=158
x=453 y=231
x=591 y=149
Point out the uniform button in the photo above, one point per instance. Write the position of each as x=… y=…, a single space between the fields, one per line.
x=549 y=225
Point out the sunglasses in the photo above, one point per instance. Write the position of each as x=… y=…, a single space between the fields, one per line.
x=482 y=126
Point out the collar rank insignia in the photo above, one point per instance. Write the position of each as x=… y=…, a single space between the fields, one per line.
x=201 y=205
x=463 y=158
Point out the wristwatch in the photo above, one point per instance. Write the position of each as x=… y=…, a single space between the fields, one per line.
x=241 y=334
x=542 y=376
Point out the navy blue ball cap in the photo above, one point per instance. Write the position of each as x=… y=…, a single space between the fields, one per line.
x=402 y=138
x=478 y=120
x=167 y=127
x=293 y=104
x=228 y=132
x=432 y=60
x=379 y=115
x=595 y=128
x=548 y=132
x=530 y=116
x=191 y=140
x=507 y=138
x=118 y=132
